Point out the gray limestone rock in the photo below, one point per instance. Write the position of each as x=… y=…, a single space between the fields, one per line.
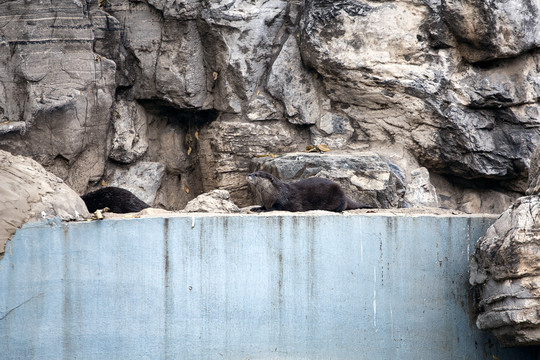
x=228 y=144
x=130 y=137
x=56 y=91
x=385 y=73
x=263 y=107
x=472 y=199
x=238 y=39
x=332 y=130
x=505 y=275
x=420 y=192
x=143 y=179
x=215 y=201
x=289 y=82
x=493 y=29
x=29 y=193
x=534 y=173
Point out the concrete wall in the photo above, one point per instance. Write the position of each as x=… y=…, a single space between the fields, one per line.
x=244 y=287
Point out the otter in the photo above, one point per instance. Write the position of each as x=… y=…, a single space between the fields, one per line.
x=118 y=200
x=304 y=195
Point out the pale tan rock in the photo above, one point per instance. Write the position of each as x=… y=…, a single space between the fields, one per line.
x=215 y=201
x=505 y=274
x=29 y=193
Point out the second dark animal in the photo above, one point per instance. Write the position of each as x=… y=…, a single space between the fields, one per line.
x=118 y=200
x=304 y=195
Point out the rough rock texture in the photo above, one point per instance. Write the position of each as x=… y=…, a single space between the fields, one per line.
x=215 y=201
x=505 y=270
x=364 y=177
x=55 y=91
x=28 y=192
x=228 y=146
x=505 y=274
x=91 y=89
x=142 y=179
x=420 y=192
x=460 y=119
x=534 y=173
x=130 y=136
x=493 y=29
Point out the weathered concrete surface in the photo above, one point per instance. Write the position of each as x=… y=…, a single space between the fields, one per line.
x=302 y=286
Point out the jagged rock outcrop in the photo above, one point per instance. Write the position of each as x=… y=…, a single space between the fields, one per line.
x=505 y=274
x=493 y=29
x=92 y=89
x=28 y=193
x=458 y=118
x=55 y=91
x=505 y=270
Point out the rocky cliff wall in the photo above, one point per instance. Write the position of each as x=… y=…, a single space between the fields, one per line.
x=173 y=98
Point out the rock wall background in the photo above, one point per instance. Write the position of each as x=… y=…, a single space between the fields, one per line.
x=174 y=98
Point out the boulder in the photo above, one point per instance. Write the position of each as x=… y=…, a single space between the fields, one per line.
x=505 y=270
x=215 y=201
x=30 y=193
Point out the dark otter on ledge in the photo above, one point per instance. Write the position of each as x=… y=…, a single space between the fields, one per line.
x=118 y=200
x=308 y=194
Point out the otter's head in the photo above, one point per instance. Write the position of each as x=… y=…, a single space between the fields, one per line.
x=261 y=177
x=265 y=186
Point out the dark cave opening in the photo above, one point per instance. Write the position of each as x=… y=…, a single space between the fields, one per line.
x=191 y=117
x=172 y=137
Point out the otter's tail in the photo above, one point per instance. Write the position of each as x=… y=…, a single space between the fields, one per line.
x=351 y=205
